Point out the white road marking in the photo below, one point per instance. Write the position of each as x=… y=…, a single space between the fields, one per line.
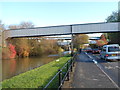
x=109 y=67
x=98 y=57
x=88 y=55
x=102 y=70
x=109 y=77
x=95 y=79
x=95 y=61
x=117 y=67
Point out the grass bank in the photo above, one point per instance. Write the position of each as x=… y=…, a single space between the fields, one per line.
x=35 y=78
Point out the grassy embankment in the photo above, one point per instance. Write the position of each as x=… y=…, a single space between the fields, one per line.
x=38 y=77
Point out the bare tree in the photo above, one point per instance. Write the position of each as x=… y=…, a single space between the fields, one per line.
x=2 y=26
x=14 y=27
x=22 y=25
x=26 y=25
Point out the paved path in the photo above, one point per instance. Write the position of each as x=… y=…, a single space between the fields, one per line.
x=88 y=75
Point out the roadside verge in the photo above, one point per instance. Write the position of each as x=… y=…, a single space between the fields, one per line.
x=37 y=77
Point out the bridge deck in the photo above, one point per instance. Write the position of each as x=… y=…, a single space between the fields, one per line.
x=63 y=30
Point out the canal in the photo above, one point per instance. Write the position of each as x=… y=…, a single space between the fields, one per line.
x=14 y=67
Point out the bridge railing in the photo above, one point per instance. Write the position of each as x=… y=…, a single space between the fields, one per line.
x=62 y=75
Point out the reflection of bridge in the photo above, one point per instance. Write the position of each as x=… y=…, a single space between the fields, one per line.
x=63 y=30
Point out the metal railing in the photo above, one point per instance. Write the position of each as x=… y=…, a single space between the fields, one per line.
x=63 y=73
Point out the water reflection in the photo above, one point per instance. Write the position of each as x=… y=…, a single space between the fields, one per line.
x=14 y=67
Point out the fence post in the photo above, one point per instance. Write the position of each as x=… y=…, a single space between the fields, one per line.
x=73 y=61
x=71 y=64
x=68 y=71
x=60 y=77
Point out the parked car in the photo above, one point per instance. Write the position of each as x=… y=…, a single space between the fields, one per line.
x=96 y=51
x=87 y=50
x=110 y=52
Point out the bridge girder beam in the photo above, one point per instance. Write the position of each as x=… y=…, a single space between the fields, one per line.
x=64 y=30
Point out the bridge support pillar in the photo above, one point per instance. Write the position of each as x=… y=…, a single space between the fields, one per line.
x=71 y=41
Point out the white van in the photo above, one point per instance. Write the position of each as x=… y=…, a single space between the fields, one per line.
x=110 y=52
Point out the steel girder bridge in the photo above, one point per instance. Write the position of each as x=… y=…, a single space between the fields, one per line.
x=63 y=30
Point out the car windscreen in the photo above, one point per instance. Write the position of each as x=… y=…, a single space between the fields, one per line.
x=113 y=49
x=95 y=49
x=87 y=49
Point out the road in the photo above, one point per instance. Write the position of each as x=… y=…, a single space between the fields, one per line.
x=93 y=72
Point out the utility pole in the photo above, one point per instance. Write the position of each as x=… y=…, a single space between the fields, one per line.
x=71 y=40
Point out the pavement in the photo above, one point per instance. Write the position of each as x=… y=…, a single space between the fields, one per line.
x=87 y=75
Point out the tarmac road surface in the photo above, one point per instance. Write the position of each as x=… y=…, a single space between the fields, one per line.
x=91 y=72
